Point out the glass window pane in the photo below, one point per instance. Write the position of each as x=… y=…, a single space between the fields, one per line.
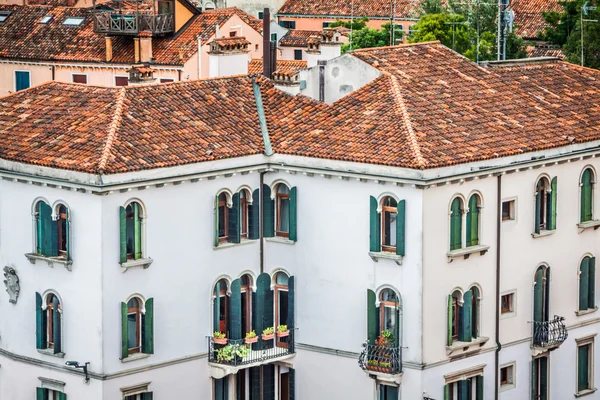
x=283 y=189
x=284 y=223
x=132 y=331
x=281 y=279
x=222 y=212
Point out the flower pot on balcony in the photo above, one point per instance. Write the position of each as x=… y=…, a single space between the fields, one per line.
x=268 y=337
x=220 y=340
x=251 y=340
x=283 y=334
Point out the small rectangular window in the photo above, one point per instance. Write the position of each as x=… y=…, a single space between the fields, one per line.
x=507 y=377
x=73 y=21
x=297 y=54
x=4 y=16
x=166 y=80
x=121 y=81
x=79 y=78
x=232 y=34
x=261 y=15
x=288 y=24
x=273 y=37
x=508 y=210
x=46 y=19
x=508 y=303
x=585 y=366
x=326 y=24
x=22 y=80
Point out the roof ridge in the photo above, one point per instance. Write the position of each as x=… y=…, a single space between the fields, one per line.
x=112 y=130
x=402 y=110
x=399 y=46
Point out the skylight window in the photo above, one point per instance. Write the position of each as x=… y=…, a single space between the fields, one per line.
x=4 y=16
x=46 y=19
x=74 y=21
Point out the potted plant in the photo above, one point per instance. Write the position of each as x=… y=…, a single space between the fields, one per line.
x=372 y=365
x=384 y=366
x=232 y=352
x=268 y=333
x=251 y=337
x=386 y=339
x=282 y=331
x=219 y=338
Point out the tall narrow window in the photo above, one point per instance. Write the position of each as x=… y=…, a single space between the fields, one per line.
x=387 y=392
x=456 y=224
x=539 y=378
x=587 y=284
x=585 y=366
x=48 y=323
x=463 y=316
x=245 y=199
x=465 y=389
x=281 y=304
x=22 y=80
x=223 y=217
x=62 y=230
x=455 y=314
x=52 y=235
x=221 y=307
x=246 y=289
x=541 y=305
x=475 y=309
x=134 y=231
x=52 y=308
x=134 y=326
x=389 y=213
x=282 y=227
x=137 y=329
x=587 y=195
x=545 y=205
x=389 y=315
x=139 y=396
x=473 y=220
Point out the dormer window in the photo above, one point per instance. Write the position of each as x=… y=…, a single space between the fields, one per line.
x=73 y=21
x=4 y=16
x=46 y=19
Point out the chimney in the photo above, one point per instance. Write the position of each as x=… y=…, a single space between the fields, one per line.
x=136 y=50
x=228 y=56
x=109 y=49
x=273 y=57
x=267 y=71
x=145 y=46
x=322 y=64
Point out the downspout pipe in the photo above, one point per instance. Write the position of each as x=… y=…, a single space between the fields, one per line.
x=260 y=222
x=498 y=248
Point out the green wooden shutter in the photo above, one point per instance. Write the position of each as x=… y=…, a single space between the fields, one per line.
x=583 y=367
x=147 y=396
x=235 y=310
x=544 y=378
x=547 y=298
x=268 y=212
x=534 y=392
x=463 y=389
x=217 y=308
x=479 y=388
x=538 y=208
x=124 y=346
x=475 y=314
x=46 y=224
x=586 y=196
x=447 y=389
x=233 y=230
x=263 y=282
x=39 y=230
x=68 y=234
x=268 y=316
x=401 y=228
x=397 y=342
x=148 y=328
x=473 y=222
x=455 y=225
x=255 y=346
x=291 y=311
x=137 y=231
x=123 y=235
x=450 y=315
x=255 y=382
x=538 y=296
x=62 y=396
x=552 y=201
x=220 y=389
x=40 y=323
x=371 y=317
x=56 y=326
x=292 y=381
x=254 y=216
x=592 y=283
x=464 y=333
x=41 y=394
x=54 y=239
x=293 y=214
x=269 y=382
x=584 y=285
x=375 y=231
x=216 y=211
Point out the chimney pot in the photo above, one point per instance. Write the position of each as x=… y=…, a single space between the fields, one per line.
x=109 y=48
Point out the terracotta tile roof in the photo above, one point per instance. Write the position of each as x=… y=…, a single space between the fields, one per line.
x=344 y=8
x=297 y=38
x=545 y=51
x=23 y=37
x=284 y=67
x=529 y=21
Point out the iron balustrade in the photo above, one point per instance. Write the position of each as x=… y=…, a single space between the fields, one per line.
x=387 y=360
x=238 y=353
x=549 y=333
x=132 y=22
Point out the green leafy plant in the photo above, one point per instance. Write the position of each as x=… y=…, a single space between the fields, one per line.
x=372 y=363
x=229 y=352
x=219 y=335
x=250 y=335
x=268 y=331
x=386 y=339
x=282 y=328
x=384 y=364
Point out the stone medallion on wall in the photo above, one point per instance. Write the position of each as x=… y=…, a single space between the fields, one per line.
x=12 y=284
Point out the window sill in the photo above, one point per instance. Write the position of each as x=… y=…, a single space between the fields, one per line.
x=279 y=239
x=135 y=357
x=588 y=224
x=50 y=352
x=507 y=387
x=142 y=262
x=385 y=255
x=585 y=312
x=467 y=251
x=543 y=233
x=32 y=257
x=227 y=245
x=461 y=348
x=585 y=392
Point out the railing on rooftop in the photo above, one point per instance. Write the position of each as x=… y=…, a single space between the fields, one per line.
x=239 y=353
x=132 y=22
x=549 y=333
x=387 y=360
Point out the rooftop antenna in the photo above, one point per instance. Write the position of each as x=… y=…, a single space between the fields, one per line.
x=502 y=24
x=585 y=10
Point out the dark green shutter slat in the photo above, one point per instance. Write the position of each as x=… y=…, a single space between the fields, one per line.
x=553 y=199
x=235 y=310
x=147 y=396
x=148 y=328
x=54 y=239
x=538 y=296
x=123 y=234
x=401 y=228
x=371 y=317
x=219 y=384
x=397 y=342
x=473 y=222
x=254 y=216
x=544 y=378
x=68 y=234
x=137 y=231
x=268 y=212
x=216 y=210
x=474 y=314
x=217 y=308
x=547 y=299
x=455 y=225
x=62 y=396
x=269 y=382
x=450 y=315
x=40 y=229
x=46 y=224
x=40 y=323
x=447 y=389
x=463 y=389
x=592 y=283
x=124 y=346
x=533 y=380
x=255 y=382
x=293 y=214
x=582 y=367
x=586 y=196
x=41 y=394
x=479 y=383
x=374 y=231
x=268 y=316
x=56 y=333
x=464 y=332
x=584 y=285
x=233 y=230
x=538 y=208
x=263 y=283
x=292 y=388
x=255 y=346
x=291 y=311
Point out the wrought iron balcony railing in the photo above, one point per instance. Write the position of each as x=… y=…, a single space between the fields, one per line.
x=549 y=333
x=387 y=360
x=238 y=352
x=132 y=22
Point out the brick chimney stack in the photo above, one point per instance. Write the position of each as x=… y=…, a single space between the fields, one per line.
x=145 y=46
x=109 y=48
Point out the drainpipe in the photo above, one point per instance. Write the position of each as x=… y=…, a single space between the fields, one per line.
x=498 y=244
x=260 y=222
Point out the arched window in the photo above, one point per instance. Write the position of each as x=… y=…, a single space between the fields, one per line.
x=282 y=209
x=137 y=330
x=221 y=307
x=63 y=235
x=281 y=303
x=541 y=294
x=134 y=325
x=473 y=220
x=245 y=199
x=132 y=229
x=456 y=210
x=389 y=315
x=545 y=205
x=454 y=316
x=389 y=213
x=52 y=235
x=246 y=289
x=475 y=311
x=587 y=195
x=463 y=315
x=49 y=323
x=587 y=284
x=222 y=217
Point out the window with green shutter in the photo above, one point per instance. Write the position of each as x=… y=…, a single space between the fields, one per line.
x=49 y=394
x=254 y=216
x=465 y=389
x=233 y=220
x=286 y=212
x=137 y=327
x=52 y=235
x=539 y=378
x=139 y=396
x=374 y=230
x=473 y=221
x=586 y=201
x=130 y=219
x=268 y=212
x=48 y=322
x=545 y=204
x=456 y=224
x=584 y=366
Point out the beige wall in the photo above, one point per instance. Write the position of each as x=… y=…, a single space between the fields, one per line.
x=38 y=75
x=182 y=15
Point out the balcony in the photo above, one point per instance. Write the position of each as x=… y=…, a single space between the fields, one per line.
x=385 y=363
x=548 y=335
x=137 y=17
x=233 y=355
